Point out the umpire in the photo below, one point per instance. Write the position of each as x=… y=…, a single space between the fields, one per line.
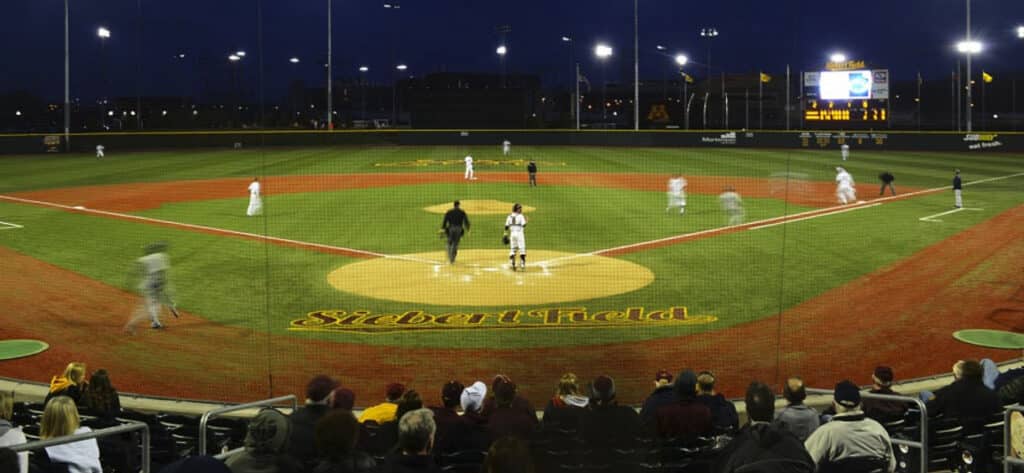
x=887 y=181
x=455 y=223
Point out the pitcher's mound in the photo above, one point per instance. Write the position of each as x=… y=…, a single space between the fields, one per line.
x=484 y=278
x=479 y=207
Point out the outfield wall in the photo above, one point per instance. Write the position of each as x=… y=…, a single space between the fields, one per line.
x=881 y=140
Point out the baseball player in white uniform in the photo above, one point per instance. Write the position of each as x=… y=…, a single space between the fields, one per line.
x=514 y=225
x=99 y=151
x=506 y=147
x=153 y=267
x=469 y=168
x=844 y=149
x=255 y=201
x=677 y=194
x=844 y=186
x=732 y=204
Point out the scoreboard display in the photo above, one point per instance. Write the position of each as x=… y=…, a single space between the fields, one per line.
x=842 y=97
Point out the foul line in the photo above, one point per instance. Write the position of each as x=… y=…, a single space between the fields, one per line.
x=848 y=209
x=10 y=226
x=931 y=218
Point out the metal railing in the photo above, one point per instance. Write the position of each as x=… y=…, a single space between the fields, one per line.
x=922 y=443
x=249 y=405
x=131 y=426
x=1008 y=459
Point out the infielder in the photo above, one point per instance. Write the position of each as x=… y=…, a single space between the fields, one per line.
x=844 y=150
x=469 y=168
x=514 y=225
x=506 y=147
x=677 y=194
x=152 y=268
x=255 y=201
x=531 y=171
x=732 y=204
x=958 y=186
x=455 y=223
x=99 y=151
x=844 y=186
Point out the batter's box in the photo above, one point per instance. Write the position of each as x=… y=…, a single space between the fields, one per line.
x=9 y=226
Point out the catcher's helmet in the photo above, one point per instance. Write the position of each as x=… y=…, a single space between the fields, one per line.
x=517 y=208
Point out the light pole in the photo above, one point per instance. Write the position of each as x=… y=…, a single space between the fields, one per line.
x=968 y=48
x=104 y=34
x=709 y=34
x=502 y=50
x=603 y=52
x=572 y=63
x=234 y=59
x=67 y=78
x=394 y=93
x=636 y=65
x=330 y=64
x=681 y=61
x=362 y=83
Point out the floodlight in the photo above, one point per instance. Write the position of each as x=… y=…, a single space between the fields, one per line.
x=294 y=60
x=181 y=55
x=602 y=51
x=837 y=57
x=103 y=32
x=163 y=113
x=401 y=67
x=502 y=50
x=1020 y=32
x=234 y=58
x=241 y=53
x=681 y=59
x=17 y=113
x=660 y=47
x=708 y=32
x=969 y=47
x=363 y=68
x=566 y=39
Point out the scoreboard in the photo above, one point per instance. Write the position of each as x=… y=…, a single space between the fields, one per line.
x=846 y=96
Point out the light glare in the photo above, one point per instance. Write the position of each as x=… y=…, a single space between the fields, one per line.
x=969 y=47
x=502 y=50
x=837 y=57
x=602 y=51
x=681 y=59
x=103 y=32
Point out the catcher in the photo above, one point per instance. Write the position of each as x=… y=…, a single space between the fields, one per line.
x=454 y=225
x=515 y=237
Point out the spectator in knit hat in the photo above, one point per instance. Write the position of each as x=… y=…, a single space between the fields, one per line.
x=723 y=412
x=851 y=437
x=446 y=418
x=266 y=445
x=607 y=425
x=319 y=397
x=797 y=417
x=762 y=446
x=881 y=410
x=663 y=395
x=386 y=410
x=518 y=402
x=687 y=417
x=565 y=408
x=344 y=398
x=336 y=437
x=507 y=420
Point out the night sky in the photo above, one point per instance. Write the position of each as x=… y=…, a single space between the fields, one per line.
x=905 y=36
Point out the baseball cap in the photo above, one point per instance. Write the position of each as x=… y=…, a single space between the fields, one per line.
x=320 y=387
x=883 y=375
x=847 y=394
x=268 y=431
x=663 y=374
x=472 y=398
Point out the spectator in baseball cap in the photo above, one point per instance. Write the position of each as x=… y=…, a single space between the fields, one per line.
x=881 y=410
x=265 y=445
x=319 y=397
x=385 y=411
x=850 y=435
x=662 y=396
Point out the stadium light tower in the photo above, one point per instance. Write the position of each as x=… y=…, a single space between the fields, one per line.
x=400 y=68
x=603 y=52
x=837 y=57
x=969 y=48
x=362 y=85
x=573 y=108
x=104 y=34
x=709 y=34
x=1020 y=32
x=501 y=51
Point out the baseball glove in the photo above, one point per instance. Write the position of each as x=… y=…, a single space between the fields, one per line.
x=504 y=240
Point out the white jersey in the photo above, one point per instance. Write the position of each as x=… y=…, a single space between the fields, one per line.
x=844 y=179
x=515 y=223
x=676 y=185
x=731 y=201
x=506 y=146
x=100 y=148
x=469 y=162
x=154 y=267
x=845 y=149
x=254 y=189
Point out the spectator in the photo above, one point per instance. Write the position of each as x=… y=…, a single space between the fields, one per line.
x=565 y=408
x=70 y=384
x=687 y=417
x=387 y=434
x=10 y=461
x=319 y=398
x=386 y=410
x=663 y=395
x=509 y=455
x=344 y=398
x=446 y=417
x=884 y=411
x=518 y=402
x=9 y=433
x=967 y=399
x=850 y=436
x=266 y=443
x=336 y=436
x=723 y=412
x=60 y=419
x=762 y=442
x=607 y=425
x=508 y=420
x=101 y=399
x=415 y=440
x=797 y=418
x=1009 y=385
x=474 y=424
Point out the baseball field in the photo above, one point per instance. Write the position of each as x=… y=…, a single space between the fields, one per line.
x=344 y=272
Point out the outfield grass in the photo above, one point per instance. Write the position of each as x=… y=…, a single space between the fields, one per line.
x=735 y=277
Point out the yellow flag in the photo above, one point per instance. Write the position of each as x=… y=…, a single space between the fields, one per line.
x=986 y=77
x=765 y=78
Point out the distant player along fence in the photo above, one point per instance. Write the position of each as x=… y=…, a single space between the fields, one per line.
x=929 y=141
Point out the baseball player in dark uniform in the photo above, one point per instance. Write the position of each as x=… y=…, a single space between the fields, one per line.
x=887 y=179
x=455 y=223
x=958 y=186
x=532 y=170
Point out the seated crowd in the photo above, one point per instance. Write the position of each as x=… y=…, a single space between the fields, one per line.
x=493 y=428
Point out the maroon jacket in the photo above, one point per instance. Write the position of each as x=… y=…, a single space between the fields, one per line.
x=685 y=418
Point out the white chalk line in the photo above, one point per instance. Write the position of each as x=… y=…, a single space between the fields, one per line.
x=784 y=222
x=931 y=218
x=10 y=226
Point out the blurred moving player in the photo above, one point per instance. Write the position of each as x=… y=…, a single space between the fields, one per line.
x=732 y=204
x=152 y=268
